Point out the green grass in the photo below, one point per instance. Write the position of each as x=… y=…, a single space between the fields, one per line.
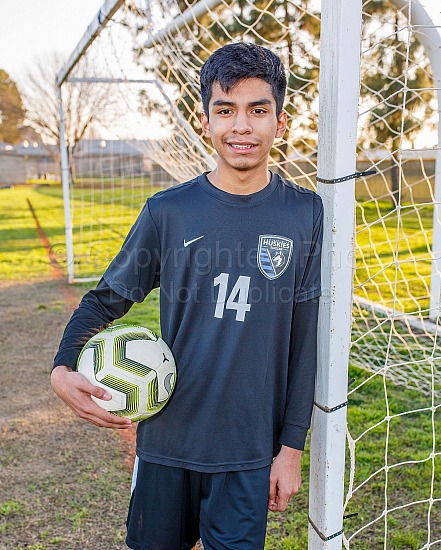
x=21 y=254
x=10 y=507
x=410 y=439
x=393 y=254
x=75 y=511
x=23 y=257
x=102 y=217
x=109 y=216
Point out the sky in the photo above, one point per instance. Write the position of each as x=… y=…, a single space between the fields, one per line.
x=31 y=29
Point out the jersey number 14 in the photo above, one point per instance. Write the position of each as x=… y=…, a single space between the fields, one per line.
x=238 y=298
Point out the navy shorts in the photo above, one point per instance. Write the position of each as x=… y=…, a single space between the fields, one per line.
x=171 y=508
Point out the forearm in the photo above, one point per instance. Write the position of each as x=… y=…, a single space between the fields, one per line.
x=302 y=371
x=98 y=308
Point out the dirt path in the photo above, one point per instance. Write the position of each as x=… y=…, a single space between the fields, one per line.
x=61 y=480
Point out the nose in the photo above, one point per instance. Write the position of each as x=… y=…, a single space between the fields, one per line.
x=242 y=124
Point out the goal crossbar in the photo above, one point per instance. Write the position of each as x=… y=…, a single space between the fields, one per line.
x=107 y=10
x=190 y=14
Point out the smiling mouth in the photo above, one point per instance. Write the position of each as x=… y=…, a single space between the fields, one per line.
x=242 y=147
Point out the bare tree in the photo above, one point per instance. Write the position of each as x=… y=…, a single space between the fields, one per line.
x=87 y=105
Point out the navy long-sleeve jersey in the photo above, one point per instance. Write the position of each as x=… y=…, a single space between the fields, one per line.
x=239 y=279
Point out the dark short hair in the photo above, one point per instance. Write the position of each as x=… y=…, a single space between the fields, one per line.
x=236 y=62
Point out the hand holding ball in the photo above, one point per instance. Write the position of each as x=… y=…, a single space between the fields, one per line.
x=134 y=365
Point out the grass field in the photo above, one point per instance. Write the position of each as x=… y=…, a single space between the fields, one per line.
x=412 y=439
x=393 y=254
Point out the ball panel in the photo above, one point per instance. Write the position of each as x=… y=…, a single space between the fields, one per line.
x=147 y=414
x=120 y=356
x=144 y=352
x=130 y=390
x=167 y=371
x=98 y=346
x=152 y=394
x=117 y=330
x=86 y=363
x=169 y=382
x=93 y=354
x=117 y=403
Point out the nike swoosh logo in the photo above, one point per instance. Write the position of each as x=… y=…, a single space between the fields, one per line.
x=186 y=243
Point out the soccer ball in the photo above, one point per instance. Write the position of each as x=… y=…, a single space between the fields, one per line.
x=134 y=365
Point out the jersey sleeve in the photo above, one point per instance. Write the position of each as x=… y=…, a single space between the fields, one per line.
x=310 y=286
x=97 y=309
x=301 y=374
x=135 y=270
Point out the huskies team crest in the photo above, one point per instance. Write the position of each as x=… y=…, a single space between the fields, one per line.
x=273 y=255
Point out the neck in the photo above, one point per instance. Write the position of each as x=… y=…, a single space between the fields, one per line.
x=240 y=182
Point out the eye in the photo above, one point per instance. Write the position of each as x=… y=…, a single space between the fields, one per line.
x=224 y=111
x=259 y=111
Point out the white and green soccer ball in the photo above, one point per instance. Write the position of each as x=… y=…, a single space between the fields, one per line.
x=134 y=365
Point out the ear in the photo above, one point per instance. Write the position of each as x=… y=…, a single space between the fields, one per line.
x=281 y=124
x=205 y=125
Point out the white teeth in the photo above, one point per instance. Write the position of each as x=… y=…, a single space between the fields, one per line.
x=240 y=146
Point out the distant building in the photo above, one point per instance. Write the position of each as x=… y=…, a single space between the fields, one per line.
x=99 y=159
x=104 y=158
x=26 y=161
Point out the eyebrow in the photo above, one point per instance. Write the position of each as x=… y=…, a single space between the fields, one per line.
x=225 y=103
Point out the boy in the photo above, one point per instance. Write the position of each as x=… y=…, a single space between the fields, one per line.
x=236 y=254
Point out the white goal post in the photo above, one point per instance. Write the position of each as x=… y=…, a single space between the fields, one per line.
x=336 y=158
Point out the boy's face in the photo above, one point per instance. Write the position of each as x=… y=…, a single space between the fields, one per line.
x=242 y=124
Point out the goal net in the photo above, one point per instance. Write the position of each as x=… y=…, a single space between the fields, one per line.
x=145 y=61
x=393 y=415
